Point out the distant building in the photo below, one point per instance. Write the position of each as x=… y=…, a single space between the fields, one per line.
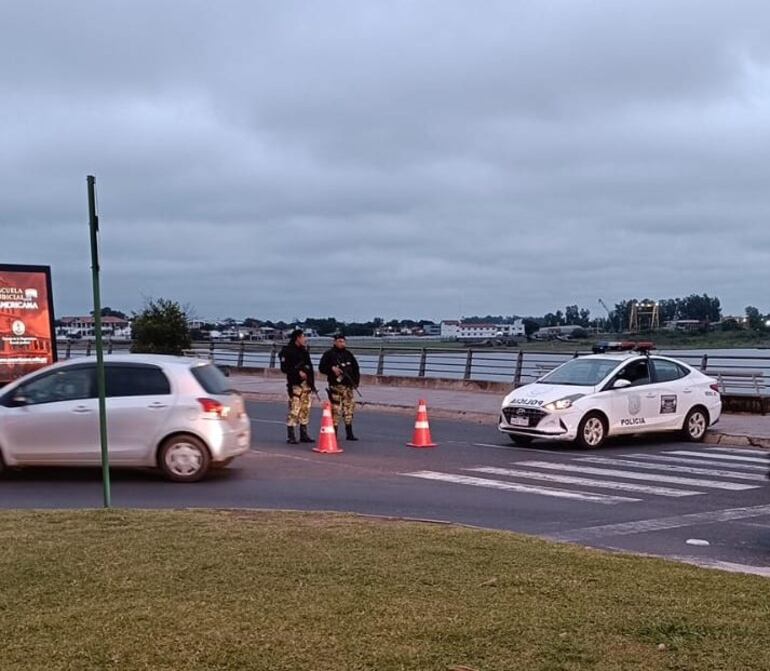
x=83 y=327
x=458 y=330
x=551 y=332
x=685 y=325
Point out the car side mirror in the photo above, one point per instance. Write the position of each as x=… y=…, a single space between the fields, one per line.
x=18 y=401
x=621 y=384
x=225 y=370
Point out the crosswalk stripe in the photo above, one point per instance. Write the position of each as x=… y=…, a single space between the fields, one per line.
x=709 y=455
x=633 y=475
x=661 y=523
x=575 y=480
x=526 y=489
x=606 y=461
x=741 y=450
x=696 y=462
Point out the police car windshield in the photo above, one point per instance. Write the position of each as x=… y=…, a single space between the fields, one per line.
x=580 y=372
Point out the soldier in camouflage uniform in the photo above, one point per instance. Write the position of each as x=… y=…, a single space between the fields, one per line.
x=300 y=383
x=342 y=371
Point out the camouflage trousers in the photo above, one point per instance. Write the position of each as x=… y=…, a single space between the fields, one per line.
x=343 y=403
x=299 y=405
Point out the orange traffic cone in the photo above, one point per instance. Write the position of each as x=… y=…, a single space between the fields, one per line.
x=421 y=436
x=327 y=436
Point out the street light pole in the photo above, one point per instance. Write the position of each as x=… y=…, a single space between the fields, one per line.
x=93 y=221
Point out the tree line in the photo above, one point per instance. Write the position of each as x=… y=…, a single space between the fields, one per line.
x=698 y=307
x=163 y=325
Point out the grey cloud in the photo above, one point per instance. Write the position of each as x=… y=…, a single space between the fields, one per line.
x=399 y=158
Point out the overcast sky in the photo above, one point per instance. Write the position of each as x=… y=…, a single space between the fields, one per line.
x=398 y=159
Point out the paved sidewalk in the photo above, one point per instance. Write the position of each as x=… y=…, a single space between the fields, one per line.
x=747 y=430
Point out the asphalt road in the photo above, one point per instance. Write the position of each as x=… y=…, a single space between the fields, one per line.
x=655 y=496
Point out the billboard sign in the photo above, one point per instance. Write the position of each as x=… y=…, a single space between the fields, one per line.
x=27 y=337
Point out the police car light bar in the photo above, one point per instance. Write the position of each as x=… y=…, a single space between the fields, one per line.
x=622 y=346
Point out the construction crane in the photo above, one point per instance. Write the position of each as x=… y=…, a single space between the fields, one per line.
x=609 y=314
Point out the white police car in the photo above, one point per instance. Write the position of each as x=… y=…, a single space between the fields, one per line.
x=590 y=398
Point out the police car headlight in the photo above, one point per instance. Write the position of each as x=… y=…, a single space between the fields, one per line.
x=563 y=403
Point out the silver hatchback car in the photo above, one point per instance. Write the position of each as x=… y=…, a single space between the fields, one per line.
x=172 y=413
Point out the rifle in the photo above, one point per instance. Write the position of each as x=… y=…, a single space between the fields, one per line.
x=350 y=379
x=304 y=367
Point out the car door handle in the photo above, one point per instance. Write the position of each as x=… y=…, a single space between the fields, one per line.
x=81 y=409
x=687 y=391
x=651 y=396
x=157 y=406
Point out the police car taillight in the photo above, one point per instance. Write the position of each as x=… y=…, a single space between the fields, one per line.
x=715 y=387
x=213 y=409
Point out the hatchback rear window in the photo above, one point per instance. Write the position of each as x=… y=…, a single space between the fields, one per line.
x=211 y=379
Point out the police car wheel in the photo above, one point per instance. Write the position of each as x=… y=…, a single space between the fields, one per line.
x=592 y=431
x=695 y=425
x=520 y=440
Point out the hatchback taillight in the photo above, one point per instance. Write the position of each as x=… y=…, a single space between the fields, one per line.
x=715 y=387
x=214 y=409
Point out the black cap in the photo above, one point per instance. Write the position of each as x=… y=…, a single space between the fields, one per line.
x=339 y=336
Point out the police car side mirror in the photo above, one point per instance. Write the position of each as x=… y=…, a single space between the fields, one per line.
x=621 y=384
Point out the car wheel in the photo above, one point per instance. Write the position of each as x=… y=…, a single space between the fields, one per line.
x=184 y=459
x=520 y=440
x=592 y=431
x=695 y=425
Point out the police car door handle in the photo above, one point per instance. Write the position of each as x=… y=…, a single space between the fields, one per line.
x=687 y=391
x=652 y=395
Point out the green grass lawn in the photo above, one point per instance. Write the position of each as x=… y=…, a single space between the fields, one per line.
x=241 y=590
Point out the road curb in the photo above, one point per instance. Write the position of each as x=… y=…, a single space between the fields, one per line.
x=737 y=440
x=439 y=413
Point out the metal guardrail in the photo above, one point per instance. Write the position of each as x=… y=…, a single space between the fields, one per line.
x=508 y=365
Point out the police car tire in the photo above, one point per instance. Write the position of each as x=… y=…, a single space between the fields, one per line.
x=592 y=418
x=700 y=426
x=520 y=440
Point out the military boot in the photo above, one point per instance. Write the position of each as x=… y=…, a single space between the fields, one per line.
x=349 y=432
x=291 y=437
x=303 y=437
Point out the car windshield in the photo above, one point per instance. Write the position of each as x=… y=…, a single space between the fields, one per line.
x=580 y=372
x=211 y=379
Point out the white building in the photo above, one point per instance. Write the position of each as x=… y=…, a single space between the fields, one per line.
x=457 y=330
x=83 y=327
x=551 y=332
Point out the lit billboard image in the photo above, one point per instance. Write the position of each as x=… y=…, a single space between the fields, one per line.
x=27 y=339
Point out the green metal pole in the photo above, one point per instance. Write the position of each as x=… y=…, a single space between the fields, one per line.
x=93 y=222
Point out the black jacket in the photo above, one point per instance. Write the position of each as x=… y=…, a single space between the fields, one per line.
x=293 y=360
x=344 y=359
